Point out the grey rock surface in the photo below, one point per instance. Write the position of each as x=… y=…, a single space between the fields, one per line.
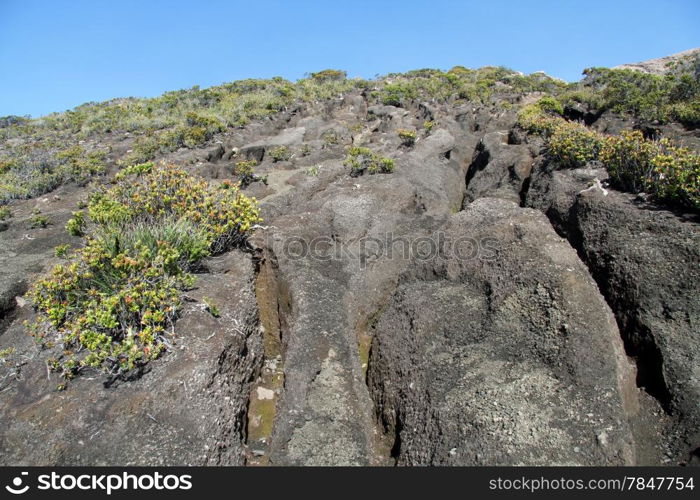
x=511 y=357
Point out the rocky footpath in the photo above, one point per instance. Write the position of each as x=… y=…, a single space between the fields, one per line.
x=475 y=306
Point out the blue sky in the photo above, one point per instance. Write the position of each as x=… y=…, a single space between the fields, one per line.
x=57 y=54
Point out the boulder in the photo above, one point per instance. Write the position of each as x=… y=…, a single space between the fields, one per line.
x=646 y=261
x=500 y=350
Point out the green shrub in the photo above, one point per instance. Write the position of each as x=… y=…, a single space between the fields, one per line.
x=671 y=174
x=688 y=113
x=676 y=177
x=138 y=169
x=211 y=125
x=550 y=105
x=5 y=213
x=532 y=119
x=143 y=150
x=61 y=250
x=76 y=225
x=195 y=136
x=39 y=221
x=305 y=150
x=573 y=145
x=329 y=75
x=428 y=126
x=408 y=137
x=313 y=171
x=280 y=153
x=362 y=160
x=397 y=94
x=629 y=159
x=244 y=170
x=330 y=138
x=111 y=304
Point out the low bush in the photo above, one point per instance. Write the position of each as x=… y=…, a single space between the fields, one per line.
x=573 y=145
x=330 y=138
x=76 y=224
x=143 y=150
x=329 y=74
x=110 y=305
x=61 y=251
x=361 y=160
x=280 y=153
x=669 y=173
x=39 y=221
x=244 y=171
x=408 y=137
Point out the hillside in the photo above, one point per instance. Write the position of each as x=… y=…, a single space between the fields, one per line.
x=463 y=267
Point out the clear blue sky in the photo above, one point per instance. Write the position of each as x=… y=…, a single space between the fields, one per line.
x=57 y=54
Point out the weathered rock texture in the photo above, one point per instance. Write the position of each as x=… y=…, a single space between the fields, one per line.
x=509 y=357
x=569 y=337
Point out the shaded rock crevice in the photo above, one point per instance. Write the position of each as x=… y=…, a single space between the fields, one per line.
x=274 y=305
x=450 y=363
x=644 y=261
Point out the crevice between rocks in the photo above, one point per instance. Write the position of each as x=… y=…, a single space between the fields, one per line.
x=274 y=303
x=638 y=342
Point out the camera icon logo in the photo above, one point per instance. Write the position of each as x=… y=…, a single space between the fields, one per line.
x=16 y=488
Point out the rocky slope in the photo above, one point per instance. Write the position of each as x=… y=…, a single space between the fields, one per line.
x=477 y=306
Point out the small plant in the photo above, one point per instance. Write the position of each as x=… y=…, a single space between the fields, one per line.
x=313 y=171
x=356 y=128
x=138 y=169
x=280 y=153
x=61 y=251
x=305 y=150
x=76 y=224
x=211 y=307
x=39 y=221
x=4 y=353
x=143 y=150
x=428 y=126
x=362 y=160
x=408 y=137
x=245 y=173
x=330 y=138
x=5 y=213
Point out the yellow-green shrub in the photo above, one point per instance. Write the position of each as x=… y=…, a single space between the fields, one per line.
x=362 y=160
x=408 y=137
x=280 y=153
x=671 y=174
x=111 y=304
x=572 y=145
